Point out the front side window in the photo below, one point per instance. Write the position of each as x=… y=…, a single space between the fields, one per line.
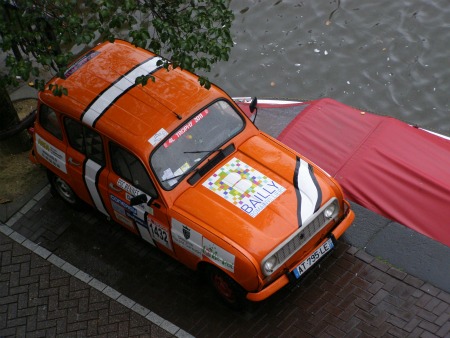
x=128 y=166
x=49 y=121
x=194 y=141
x=85 y=140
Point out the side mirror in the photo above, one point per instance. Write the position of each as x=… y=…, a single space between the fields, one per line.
x=253 y=105
x=253 y=108
x=139 y=199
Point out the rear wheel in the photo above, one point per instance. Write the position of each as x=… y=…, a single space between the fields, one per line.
x=63 y=190
x=230 y=292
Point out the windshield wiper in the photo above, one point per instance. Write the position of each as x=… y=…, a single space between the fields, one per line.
x=199 y=173
x=201 y=151
x=175 y=176
x=190 y=169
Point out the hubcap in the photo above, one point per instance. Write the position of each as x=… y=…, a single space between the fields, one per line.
x=223 y=287
x=64 y=190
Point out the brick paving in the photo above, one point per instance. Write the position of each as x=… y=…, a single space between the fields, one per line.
x=351 y=294
x=38 y=299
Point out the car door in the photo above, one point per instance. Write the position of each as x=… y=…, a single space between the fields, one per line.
x=86 y=163
x=49 y=140
x=134 y=201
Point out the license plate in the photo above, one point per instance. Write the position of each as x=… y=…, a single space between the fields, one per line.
x=313 y=259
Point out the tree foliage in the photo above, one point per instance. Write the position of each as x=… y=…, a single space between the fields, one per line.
x=44 y=34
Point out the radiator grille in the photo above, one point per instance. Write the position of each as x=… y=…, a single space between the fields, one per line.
x=301 y=238
x=293 y=244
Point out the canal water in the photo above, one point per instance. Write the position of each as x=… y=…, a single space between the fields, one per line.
x=384 y=56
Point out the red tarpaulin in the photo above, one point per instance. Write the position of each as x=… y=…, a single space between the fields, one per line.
x=383 y=164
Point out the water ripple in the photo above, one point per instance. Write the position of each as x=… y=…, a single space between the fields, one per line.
x=389 y=57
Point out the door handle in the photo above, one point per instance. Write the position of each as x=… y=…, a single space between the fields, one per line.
x=71 y=161
x=113 y=187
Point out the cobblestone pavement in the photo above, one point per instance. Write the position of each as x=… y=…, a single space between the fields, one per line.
x=350 y=294
x=38 y=299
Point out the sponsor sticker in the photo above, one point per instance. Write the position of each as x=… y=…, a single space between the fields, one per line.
x=244 y=187
x=218 y=255
x=51 y=154
x=122 y=207
x=187 y=238
x=200 y=246
x=185 y=128
x=128 y=187
x=123 y=219
x=158 y=137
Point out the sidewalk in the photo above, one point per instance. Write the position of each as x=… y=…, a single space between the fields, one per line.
x=41 y=295
x=38 y=299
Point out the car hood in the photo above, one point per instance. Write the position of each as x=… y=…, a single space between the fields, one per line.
x=257 y=196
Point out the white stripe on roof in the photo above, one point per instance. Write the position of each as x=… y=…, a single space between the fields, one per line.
x=102 y=102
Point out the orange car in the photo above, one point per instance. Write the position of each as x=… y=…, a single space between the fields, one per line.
x=184 y=168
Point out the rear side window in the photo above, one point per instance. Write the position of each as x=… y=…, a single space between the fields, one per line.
x=85 y=140
x=128 y=166
x=49 y=121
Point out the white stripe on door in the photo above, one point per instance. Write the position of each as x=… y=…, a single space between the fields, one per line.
x=91 y=170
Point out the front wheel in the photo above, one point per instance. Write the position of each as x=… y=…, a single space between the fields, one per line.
x=226 y=288
x=63 y=190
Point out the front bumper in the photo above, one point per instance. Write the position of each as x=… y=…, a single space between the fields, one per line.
x=284 y=279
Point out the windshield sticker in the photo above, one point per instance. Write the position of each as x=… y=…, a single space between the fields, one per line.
x=185 y=128
x=158 y=137
x=51 y=154
x=169 y=176
x=181 y=170
x=244 y=187
x=218 y=255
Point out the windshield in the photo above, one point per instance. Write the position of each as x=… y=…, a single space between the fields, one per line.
x=193 y=141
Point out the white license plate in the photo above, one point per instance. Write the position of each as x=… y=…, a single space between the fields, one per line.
x=314 y=258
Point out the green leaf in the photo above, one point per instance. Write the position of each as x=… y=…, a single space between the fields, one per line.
x=193 y=33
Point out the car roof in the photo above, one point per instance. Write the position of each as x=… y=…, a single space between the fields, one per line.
x=103 y=94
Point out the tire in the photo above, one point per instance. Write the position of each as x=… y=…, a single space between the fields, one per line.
x=62 y=189
x=230 y=292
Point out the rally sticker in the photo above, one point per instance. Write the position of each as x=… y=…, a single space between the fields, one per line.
x=155 y=139
x=128 y=187
x=194 y=242
x=244 y=187
x=128 y=222
x=159 y=233
x=218 y=255
x=50 y=153
x=121 y=206
x=185 y=128
x=187 y=238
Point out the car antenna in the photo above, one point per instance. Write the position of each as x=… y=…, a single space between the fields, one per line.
x=179 y=117
x=253 y=108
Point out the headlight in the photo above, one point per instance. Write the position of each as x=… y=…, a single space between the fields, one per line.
x=269 y=265
x=329 y=211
